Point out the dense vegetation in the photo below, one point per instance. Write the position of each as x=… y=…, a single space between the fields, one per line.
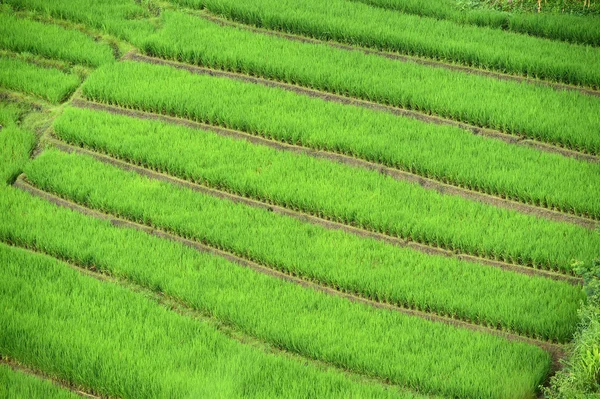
x=566 y=118
x=505 y=15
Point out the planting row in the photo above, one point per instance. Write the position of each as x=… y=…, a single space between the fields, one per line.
x=352 y=336
x=17 y=385
x=568 y=27
x=569 y=119
x=48 y=83
x=338 y=192
x=51 y=41
x=123 y=18
x=441 y=152
x=534 y=306
x=359 y=24
x=98 y=335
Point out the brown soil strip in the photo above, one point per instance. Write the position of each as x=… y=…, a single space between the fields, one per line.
x=307 y=218
x=557 y=351
x=21 y=368
x=508 y=138
x=207 y=15
x=177 y=305
x=397 y=174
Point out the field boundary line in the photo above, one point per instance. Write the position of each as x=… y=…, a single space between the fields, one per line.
x=308 y=218
x=396 y=56
x=176 y=305
x=395 y=173
x=358 y=102
x=19 y=367
x=556 y=350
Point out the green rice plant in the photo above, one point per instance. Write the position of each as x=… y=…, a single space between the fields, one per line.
x=18 y=385
x=11 y=112
x=50 y=84
x=359 y=24
x=311 y=323
x=469 y=291
x=444 y=153
x=15 y=143
x=571 y=28
x=121 y=344
x=568 y=119
x=51 y=41
x=126 y=19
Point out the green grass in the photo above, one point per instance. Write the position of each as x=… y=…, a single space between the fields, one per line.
x=566 y=118
x=359 y=24
x=353 y=336
x=51 y=41
x=50 y=84
x=19 y=385
x=444 y=153
x=472 y=292
x=120 y=344
x=359 y=197
x=571 y=28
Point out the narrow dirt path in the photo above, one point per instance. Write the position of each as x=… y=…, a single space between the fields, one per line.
x=397 y=174
x=308 y=218
x=557 y=351
x=77 y=390
x=207 y=15
x=495 y=134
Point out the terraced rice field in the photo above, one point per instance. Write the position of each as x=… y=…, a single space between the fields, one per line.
x=259 y=198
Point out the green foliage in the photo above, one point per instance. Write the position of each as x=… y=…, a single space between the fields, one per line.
x=120 y=344
x=533 y=306
x=580 y=379
x=50 y=84
x=572 y=28
x=22 y=35
x=569 y=119
x=359 y=24
x=19 y=385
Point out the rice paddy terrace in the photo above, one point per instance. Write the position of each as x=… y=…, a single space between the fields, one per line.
x=312 y=199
